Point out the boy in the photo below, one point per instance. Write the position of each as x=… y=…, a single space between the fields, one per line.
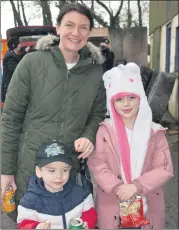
x=52 y=199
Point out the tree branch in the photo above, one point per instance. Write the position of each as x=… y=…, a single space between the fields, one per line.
x=119 y=10
x=140 y=12
x=16 y=14
x=23 y=13
x=110 y=7
x=105 y=7
x=97 y=17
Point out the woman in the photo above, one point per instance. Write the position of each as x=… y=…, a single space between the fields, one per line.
x=55 y=93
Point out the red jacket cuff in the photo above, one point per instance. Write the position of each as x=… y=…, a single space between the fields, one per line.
x=90 y=217
x=28 y=224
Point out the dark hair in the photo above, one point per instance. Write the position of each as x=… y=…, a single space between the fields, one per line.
x=13 y=43
x=82 y=9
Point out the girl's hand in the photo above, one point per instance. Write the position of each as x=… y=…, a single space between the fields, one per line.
x=85 y=225
x=44 y=225
x=127 y=192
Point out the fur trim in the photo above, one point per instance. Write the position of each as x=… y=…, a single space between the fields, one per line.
x=157 y=127
x=47 y=41
x=96 y=53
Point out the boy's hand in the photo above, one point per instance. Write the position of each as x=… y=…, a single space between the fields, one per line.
x=126 y=192
x=44 y=225
x=85 y=225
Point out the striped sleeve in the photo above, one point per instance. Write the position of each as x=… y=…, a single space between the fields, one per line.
x=26 y=218
x=89 y=214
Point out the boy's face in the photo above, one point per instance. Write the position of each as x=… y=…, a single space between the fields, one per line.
x=127 y=107
x=55 y=175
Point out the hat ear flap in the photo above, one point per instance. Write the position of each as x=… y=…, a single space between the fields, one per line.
x=107 y=80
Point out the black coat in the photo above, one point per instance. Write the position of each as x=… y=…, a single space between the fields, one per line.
x=109 y=58
x=10 y=63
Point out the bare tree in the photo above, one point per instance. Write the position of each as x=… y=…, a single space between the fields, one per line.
x=96 y=16
x=60 y=3
x=46 y=12
x=139 y=12
x=17 y=18
x=129 y=15
x=113 y=19
x=23 y=13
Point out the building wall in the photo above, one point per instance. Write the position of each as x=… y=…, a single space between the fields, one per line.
x=155 y=49
x=99 y=32
x=174 y=24
x=135 y=45
x=160 y=13
x=129 y=44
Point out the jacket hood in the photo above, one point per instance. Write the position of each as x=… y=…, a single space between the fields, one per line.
x=48 y=41
x=36 y=186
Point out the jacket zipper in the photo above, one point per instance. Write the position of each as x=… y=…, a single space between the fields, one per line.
x=63 y=216
x=65 y=104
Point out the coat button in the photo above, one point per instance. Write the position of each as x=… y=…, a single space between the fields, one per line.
x=119 y=177
x=157 y=193
x=104 y=139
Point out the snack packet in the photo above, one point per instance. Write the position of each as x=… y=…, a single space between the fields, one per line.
x=131 y=215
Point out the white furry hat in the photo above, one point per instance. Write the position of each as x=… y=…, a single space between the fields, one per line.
x=122 y=80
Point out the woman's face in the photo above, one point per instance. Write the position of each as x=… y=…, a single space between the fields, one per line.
x=74 y=31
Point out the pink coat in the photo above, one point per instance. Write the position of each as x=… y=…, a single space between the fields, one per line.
x=157 y=170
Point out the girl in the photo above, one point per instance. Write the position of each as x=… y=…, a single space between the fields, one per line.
x=132 y=155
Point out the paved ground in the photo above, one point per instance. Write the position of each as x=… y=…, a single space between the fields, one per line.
x=171 y=193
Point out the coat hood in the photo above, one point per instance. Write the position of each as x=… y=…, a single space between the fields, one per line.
x=48 y=41
x=36 y=186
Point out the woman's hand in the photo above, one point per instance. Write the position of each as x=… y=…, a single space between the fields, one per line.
x=44 y=225
x=84 y=146
x=127 y=192
x=7 y=180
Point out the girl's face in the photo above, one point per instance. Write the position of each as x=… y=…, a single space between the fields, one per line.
x=74 y=31
x=127 y=107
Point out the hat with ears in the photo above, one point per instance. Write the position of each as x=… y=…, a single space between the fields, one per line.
x=119 y=81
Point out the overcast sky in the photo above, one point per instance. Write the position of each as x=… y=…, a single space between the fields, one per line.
x=7 y=20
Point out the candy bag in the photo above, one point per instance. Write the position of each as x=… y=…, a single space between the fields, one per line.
x=131 y=215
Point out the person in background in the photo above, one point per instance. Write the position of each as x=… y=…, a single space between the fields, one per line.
x=108 y=55
x=56 y=92
x=52 y=199
x=10 y=62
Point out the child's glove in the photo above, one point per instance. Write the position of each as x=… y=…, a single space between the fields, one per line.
x=44 y=225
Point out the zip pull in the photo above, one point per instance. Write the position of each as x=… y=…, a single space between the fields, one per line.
x=68 y=74
x=25 y=136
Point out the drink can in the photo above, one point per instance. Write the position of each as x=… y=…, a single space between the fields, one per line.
x=76 y=223
x=8 y=204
